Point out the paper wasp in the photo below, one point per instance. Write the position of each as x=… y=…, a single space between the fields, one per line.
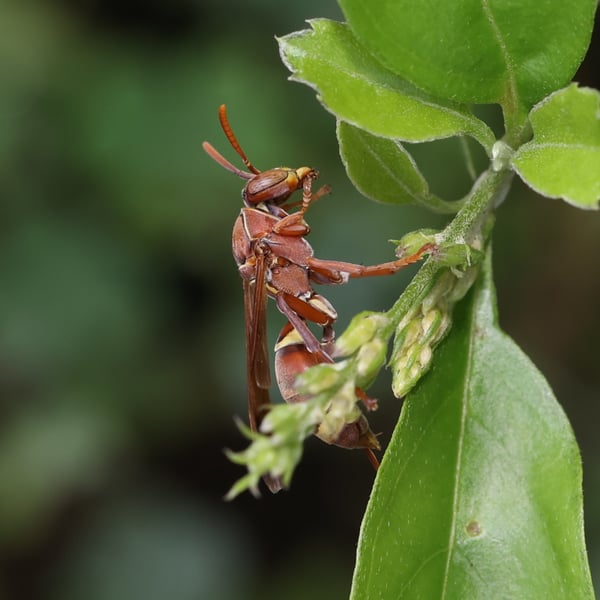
x=275 y=260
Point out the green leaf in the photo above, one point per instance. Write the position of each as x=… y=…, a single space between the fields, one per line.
x=357 y=89
x=513 y=53
x=383 y=170
x=563 y=159
x=479 y=492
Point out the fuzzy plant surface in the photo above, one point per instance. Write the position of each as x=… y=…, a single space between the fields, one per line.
x=479 y=491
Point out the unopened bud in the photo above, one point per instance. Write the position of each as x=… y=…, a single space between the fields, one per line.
x=363 y=327
x=436 y=298
x=402 y=383
x=408 y=333
x=457 y=255
x=409 y=369
x=341 y=410
x=320 y=377
x=425 y=357
x=412 y=242
x=369 y=361
x=463 y=284
x=430 y=323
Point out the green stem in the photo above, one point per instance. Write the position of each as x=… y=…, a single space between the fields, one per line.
x=468 y=225
x=469 y=162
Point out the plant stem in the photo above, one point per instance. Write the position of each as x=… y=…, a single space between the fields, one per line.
x=467 y=227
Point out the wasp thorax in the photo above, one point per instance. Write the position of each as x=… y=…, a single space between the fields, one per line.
x=275 y=186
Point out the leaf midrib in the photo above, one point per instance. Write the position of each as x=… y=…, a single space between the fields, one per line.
x=512 y=92
x=459 y=456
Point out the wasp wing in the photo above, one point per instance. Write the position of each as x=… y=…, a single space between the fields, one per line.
x=257 y=355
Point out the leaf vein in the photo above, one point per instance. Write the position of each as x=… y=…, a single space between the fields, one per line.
x=459 y=456
x=510 y=68
x=378 y=85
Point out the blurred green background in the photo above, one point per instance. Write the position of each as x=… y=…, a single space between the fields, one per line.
x=121 y=320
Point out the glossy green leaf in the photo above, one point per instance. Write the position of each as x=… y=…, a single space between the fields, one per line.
x=479 y=492
x=513 y=53
x=383 y=170
x=563 y=159
x=357 y=89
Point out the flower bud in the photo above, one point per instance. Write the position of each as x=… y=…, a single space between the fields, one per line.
x=412 y=242
x=408 y=333
x=457 y=255
x=430 y=324
x=369 y=361
x=320 y=377
x=438 y=293
x=363 y=327
x=463 y=284
x=425 y=357
x=402 y=382
x=340 y=411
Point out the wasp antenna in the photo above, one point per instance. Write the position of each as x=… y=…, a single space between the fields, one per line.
x=233 y=140
x=219 y=158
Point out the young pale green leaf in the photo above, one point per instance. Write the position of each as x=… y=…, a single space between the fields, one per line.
x=358 y=90
x=563 y=159
x=479 y=492
x=513 y=53
x=383 y=170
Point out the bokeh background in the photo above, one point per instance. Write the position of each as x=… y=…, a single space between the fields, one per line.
x=121 y=320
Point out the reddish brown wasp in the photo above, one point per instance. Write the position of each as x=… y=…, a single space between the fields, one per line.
x=274 y=259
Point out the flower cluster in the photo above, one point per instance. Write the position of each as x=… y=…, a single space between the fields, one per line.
x=331 y=405
x=426 y=323
x=275 y=451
